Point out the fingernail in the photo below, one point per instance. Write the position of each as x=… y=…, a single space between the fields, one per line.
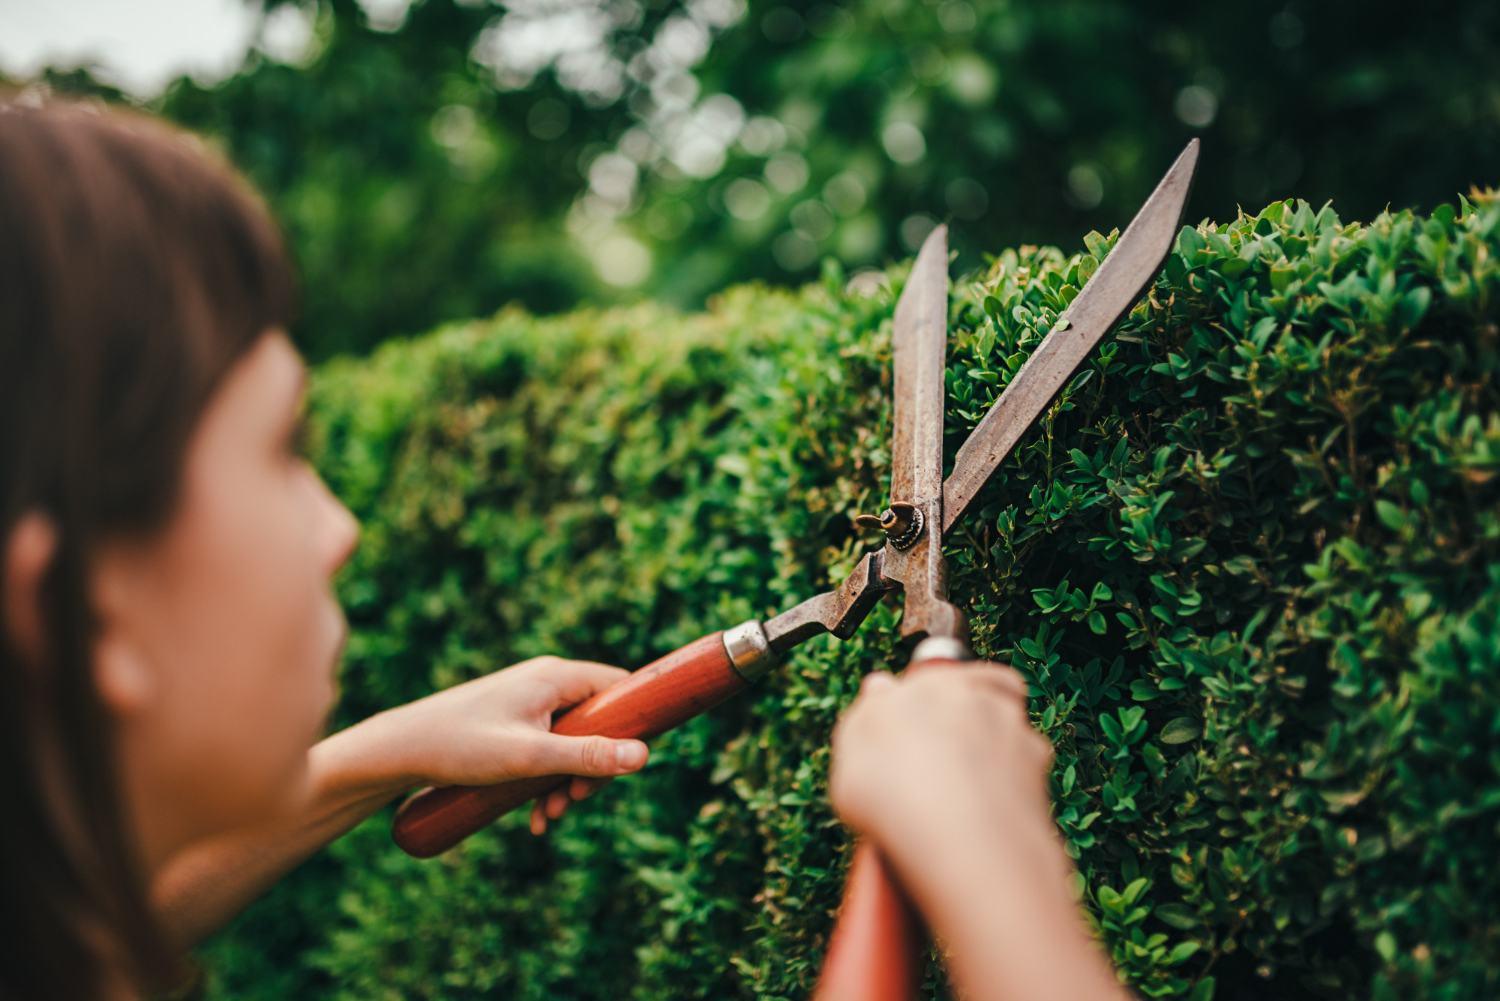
x=630 y=754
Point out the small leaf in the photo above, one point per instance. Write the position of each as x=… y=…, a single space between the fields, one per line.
x=1390 y=515
x=1413 y=306
x=1180 y=730
x=1189 y=243
x=1177 y=915
x=1182 y=951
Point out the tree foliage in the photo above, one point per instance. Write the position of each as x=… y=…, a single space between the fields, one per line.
x=1247 y=562
x=438 y=164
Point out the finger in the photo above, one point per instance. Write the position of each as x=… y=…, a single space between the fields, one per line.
x=876 y=681
x=538 y=819
x=581 y=788
x=1006 y=679
x=593 y=756
x=998 y=678
x=576 y=680
x=557 y=803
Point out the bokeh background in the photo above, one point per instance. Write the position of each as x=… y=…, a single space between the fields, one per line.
x=1274 y=709
x=436 y=160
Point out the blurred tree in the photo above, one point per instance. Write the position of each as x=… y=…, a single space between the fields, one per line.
x=438 y=158
x=1034 y=121
x=410 y=186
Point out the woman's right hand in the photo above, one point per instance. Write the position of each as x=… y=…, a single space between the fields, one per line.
x=941 y=745
x=943 y=772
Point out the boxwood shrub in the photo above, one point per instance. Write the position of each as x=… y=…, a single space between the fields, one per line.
x=1249 y=562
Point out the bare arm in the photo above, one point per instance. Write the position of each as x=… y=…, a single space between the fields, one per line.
x=944 y=773
x=491 y=729
x=210 y=882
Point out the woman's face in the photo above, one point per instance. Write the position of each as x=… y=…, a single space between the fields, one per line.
x=220 y=637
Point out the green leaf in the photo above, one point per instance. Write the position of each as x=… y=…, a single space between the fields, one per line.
x=1180 y=730
x=1111 y=729
x=1413 y=306
x=1182 y=952
x=1189 y=243
x=1390 y=515
x=1177 y=915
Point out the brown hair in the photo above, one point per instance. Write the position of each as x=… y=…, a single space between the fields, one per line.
x=135 y=268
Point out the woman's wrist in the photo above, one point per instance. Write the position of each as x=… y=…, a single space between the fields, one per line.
x=363 y=761
x=993 y=882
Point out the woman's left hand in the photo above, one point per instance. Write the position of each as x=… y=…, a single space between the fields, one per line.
x=498 y=727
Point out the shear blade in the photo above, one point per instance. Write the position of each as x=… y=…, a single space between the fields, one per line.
x=1135 y=260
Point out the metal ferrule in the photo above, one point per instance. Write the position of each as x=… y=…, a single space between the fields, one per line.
x=748 y=649
x=941 y=648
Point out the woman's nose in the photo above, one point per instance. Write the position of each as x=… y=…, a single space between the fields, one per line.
x=342 y=529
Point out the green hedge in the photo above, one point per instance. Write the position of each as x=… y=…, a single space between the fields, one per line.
x=1248 y=562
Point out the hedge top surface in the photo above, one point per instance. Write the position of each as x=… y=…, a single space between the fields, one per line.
x=1248 y=562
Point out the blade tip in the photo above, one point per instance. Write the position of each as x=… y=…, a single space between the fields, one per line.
x=1187 y=160
x=935 y=239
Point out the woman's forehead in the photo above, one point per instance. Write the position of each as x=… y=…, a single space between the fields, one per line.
x=268 y=381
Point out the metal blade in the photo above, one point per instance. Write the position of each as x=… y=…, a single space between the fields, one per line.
x=921 y=343
x=1113 y=289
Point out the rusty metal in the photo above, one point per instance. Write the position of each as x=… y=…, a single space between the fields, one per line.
x=901 y=523
x=1113 y=289
x=839 y=611
x=921 y=343
x=923 y=507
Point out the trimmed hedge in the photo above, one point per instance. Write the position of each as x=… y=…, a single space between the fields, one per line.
x=1248 y=562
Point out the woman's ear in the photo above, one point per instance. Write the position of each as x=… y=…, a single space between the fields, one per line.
x=28 y=552
x=122 y=677
x=123 y=674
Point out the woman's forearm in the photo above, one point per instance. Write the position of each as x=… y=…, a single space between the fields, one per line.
x=495 y=728
x=1000 y=904
x=207 y=884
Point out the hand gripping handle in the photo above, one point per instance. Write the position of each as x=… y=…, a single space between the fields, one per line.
x=654 y=699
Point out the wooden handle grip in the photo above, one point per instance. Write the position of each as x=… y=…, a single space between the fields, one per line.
x=654 y=699
x=875 y=949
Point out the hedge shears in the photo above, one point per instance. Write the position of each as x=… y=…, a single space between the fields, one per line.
x=873 y=954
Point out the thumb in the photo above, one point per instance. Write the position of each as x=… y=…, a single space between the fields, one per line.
x=595 y=756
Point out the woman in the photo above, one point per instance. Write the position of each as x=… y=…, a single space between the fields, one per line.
x=169 y=634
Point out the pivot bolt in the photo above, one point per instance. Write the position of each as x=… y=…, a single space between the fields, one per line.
x=901 y=523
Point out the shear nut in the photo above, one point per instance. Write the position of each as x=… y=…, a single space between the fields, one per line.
x=906 y=527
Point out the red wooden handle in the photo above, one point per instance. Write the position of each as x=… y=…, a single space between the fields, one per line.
x=874 y=951
x=654 y=699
